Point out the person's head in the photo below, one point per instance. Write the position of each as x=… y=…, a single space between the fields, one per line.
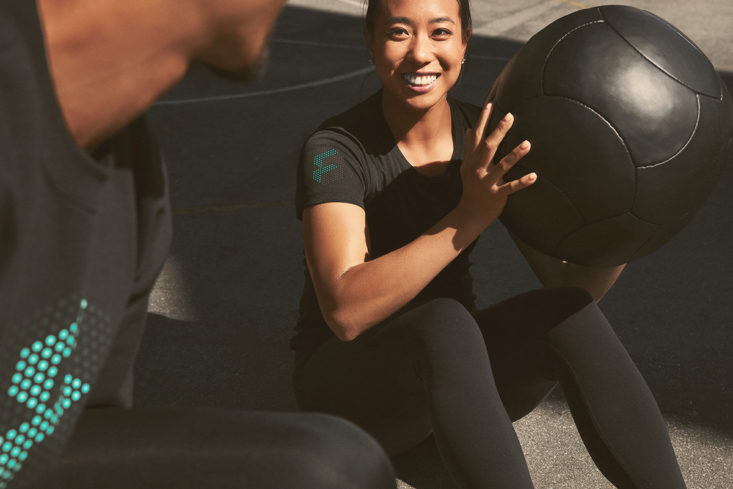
x=418 y=46
x=238 y=35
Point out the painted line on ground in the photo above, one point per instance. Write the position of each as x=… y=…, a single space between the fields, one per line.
x=273 y=91
x=318 y=44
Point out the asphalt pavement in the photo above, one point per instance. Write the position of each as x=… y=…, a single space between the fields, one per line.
x=226 y=302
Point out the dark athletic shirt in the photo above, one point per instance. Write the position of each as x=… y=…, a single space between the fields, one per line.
x=81 y=238
x=353 y=158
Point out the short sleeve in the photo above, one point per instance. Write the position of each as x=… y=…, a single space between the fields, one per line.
x=331 y=169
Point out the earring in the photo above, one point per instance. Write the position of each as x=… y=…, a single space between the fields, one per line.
x=463 y=60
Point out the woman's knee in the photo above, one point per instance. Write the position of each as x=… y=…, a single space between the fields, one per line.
x=533 y=313
x=438 y=335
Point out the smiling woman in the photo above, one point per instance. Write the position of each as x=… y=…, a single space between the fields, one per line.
x=418 y=52
x=393 y=193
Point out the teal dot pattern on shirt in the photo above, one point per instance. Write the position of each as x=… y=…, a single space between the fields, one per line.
x=49 y=379
x=321 y=168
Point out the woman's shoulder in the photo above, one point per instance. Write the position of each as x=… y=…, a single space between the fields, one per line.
x=361 y=125
x=355 y=116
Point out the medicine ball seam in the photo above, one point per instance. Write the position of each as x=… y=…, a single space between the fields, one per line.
x=552 y=49
x=694 y=90
x=687 y=143
x=629 y=211
x=602 y=117
x=679 y=33
x=548 y=181
x=644 y=244
x=681 y=217
x=623 y=141
x=718 y=99
x=641 y=246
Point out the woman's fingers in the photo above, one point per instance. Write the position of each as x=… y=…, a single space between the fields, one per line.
x=507 y=163
x=494 y=173
x=518 y=184
x=493 y=140
x=483 y=121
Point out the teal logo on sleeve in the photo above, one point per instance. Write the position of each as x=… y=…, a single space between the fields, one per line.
x=320 y=169
x=46 y=395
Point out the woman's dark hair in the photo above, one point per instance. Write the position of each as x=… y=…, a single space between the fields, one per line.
x=464 y=10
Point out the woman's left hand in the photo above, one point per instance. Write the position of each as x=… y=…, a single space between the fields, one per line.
x=484 y=190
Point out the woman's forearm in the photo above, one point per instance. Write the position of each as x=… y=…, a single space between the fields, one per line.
x=368 y=293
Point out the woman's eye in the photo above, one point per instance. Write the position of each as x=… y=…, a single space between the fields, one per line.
x=397 y=33
x=442 y=33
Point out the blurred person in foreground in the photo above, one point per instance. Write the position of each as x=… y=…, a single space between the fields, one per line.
x=84 y=230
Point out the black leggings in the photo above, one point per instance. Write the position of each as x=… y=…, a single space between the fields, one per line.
x=427 y=371
x=224 y=449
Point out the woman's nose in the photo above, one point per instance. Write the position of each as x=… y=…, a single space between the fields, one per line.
x=421 y=49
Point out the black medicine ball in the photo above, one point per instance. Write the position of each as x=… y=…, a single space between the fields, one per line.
x=630 y=127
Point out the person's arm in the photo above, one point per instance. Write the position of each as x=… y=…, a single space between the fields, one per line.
x=111 y=59
x=355 y=293
x=553 y=272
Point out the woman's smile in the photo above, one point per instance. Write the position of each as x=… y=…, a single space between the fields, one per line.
x=420 y=82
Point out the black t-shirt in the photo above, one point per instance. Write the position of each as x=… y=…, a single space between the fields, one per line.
x=354 y=158
x=81 y=240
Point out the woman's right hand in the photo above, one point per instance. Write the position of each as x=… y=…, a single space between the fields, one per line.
x=484 y=190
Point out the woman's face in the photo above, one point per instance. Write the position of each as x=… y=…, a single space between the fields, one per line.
x=418 y=48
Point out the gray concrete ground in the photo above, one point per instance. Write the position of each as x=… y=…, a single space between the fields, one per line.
x=225 y=304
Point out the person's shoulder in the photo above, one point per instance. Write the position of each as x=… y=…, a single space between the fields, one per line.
x=356 y=126
x=334 y=160
x=355 y=117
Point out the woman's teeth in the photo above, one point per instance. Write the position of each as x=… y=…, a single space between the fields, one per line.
x=419 y=80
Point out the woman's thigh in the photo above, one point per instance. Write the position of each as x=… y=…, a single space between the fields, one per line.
x=372 y=384
x=378 y=380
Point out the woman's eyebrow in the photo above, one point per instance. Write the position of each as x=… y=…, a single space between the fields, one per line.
x=438 y=20
x=408 y=21
x=399 y=20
